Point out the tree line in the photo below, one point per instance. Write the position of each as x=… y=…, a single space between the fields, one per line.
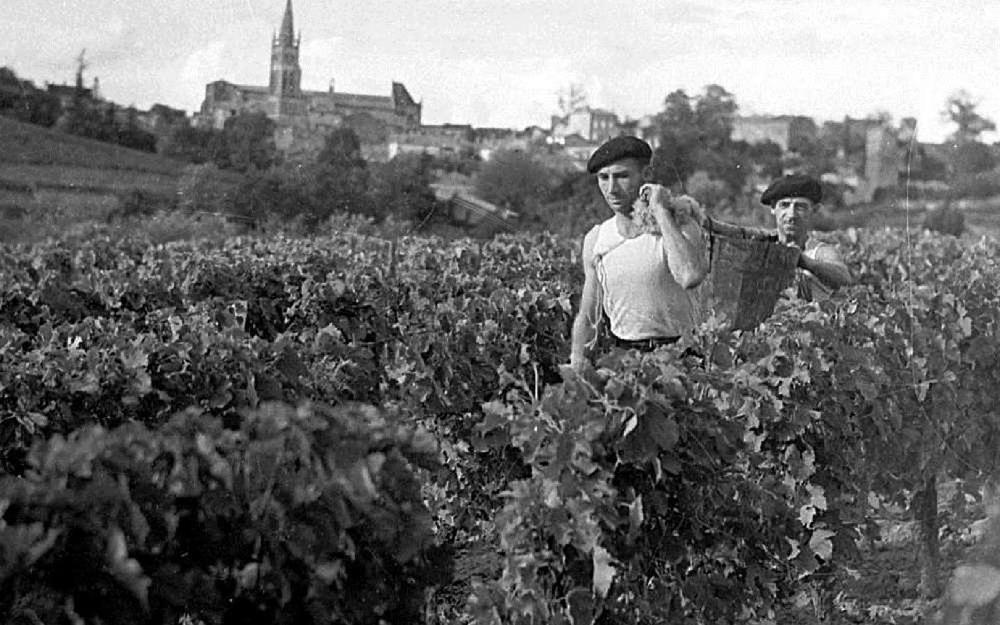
x=337 y=180
x=82 y=115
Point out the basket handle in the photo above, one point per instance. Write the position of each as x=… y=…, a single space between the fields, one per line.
x=714 y=226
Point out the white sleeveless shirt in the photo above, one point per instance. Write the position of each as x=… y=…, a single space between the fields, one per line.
x=641 y=298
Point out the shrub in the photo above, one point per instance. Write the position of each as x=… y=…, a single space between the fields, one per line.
x=309 y=515
x=707 y=190
x=946 y=220
x=980 y=185
x=141 y=202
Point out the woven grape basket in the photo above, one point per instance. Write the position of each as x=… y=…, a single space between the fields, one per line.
x=748 y=270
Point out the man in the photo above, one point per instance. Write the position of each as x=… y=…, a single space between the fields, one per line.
x=641 y=280
x=795 y=201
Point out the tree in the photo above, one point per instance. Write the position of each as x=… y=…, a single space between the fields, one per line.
x=514 y=180
x=696 y=135
x=282 y=192
x=340 y=177
x=21 y=100
x=676 y=157
x=191 y=144
x=714 y=112
x=369 y=130
x=133 y=136
x=401 y=187
x=572 y=98
x=41 y=108
x=972 y=157
x=765 y=158
x=573 y=206
x=245 y=143
x=960 y=110
x=811 y=155
x=84 y=119
x=342 y=149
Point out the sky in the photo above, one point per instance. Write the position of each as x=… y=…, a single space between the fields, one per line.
x=503 y=63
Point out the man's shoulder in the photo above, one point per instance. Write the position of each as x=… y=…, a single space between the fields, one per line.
x=593 y=233
x=590 y=242
x=607 y=229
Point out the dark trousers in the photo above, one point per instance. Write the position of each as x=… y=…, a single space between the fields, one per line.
x=643 y=345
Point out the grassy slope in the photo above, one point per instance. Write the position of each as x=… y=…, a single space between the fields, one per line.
x=27 y=144
x=32 y=158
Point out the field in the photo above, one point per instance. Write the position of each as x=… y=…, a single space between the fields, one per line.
x=356 y=429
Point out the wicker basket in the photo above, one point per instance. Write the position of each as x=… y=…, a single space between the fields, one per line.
x=748 y=270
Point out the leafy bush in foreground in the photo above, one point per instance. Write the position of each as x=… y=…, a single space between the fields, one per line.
x=309 y=515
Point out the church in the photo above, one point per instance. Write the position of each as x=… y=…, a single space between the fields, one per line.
x=304 y=118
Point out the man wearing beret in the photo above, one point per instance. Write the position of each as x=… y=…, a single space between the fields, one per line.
x=794 y=202
x=642 y=279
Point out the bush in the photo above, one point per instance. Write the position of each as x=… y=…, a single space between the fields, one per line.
x=515 y=180
x=200 y=189
x=281 y=193
x=972 y=158
x=707 y=190
x=946 y=220
x=981 y=185
x=142 y=203
x=191 y=144
x=309 y=515
x=402 y=188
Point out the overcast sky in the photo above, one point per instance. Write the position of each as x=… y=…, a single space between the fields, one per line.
x=502 y=62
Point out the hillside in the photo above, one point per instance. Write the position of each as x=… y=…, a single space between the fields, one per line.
x=27 y=144
x=37 y=160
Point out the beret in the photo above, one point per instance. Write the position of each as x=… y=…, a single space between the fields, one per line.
x=796 y=185
x=616 y=149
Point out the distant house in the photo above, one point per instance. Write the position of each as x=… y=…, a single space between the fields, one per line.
x=645 y=128
x=440 y=140
x=783 y=130
x=592 y=124
x=463 y=139
x=579 y=150
x=492 y=140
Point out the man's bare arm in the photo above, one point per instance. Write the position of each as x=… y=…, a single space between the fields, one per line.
x=827 y=266
x=683 y=244
x=585 y=322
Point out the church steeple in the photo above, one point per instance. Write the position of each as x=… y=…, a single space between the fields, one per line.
x=286 y=75
x=287 y=34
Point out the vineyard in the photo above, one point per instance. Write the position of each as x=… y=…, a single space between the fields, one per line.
x=352 y=429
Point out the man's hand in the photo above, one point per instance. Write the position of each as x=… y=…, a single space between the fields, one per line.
x=658 y=198
x=686 y=208
x=664 y=205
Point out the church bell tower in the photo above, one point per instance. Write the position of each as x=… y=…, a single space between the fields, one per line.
x=286 y=75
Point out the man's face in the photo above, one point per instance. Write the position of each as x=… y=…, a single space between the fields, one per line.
x=619 y=183
x=793 y=217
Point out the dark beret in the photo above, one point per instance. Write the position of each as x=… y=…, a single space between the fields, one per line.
x=616 y=149
x=796 y=185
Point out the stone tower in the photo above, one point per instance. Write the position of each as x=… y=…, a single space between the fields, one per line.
x=286 y=75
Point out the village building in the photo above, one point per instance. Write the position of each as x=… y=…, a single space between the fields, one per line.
x=591 y=124
x=645 y=128
x=784 y=130
x=304 y=117
x=465 y=141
